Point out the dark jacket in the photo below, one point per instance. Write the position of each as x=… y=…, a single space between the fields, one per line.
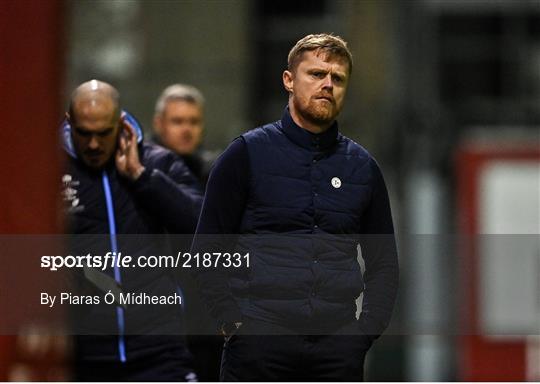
x=199 y=162
x=310 y=188
x=109 y=213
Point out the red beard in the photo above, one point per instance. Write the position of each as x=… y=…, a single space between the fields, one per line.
x=317 y=110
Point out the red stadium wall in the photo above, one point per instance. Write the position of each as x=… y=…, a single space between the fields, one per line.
x=481 y=358
x=31 y=72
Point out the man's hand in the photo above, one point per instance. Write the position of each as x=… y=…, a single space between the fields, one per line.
x=127 y=154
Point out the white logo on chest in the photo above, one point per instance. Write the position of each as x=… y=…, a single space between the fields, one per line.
x=69 y=194
x=336 y=182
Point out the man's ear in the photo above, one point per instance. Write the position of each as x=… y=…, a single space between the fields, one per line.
x=288 y=81
x=157 y=122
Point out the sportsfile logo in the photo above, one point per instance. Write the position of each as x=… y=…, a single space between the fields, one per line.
x=69 y=194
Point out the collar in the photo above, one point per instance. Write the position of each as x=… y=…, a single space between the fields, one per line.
x=313 y=141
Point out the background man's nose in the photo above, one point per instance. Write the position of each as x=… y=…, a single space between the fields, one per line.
x=93 y=144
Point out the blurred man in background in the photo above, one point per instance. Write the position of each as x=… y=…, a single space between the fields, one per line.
x=290 y=314
x=117 y=185
x=179 y=126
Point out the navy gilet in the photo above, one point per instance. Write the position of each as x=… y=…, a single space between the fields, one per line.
x=307 y=196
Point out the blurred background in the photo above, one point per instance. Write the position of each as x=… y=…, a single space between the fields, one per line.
x=445 y=94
